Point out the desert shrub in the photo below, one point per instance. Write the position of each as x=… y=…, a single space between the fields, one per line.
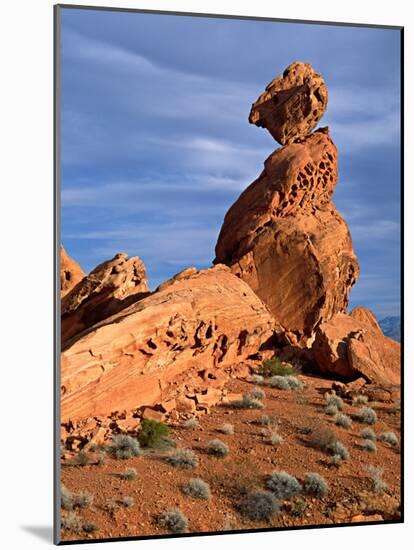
x=71 y=522
x=152 y=433
x=89 y=527
x=264 y=420
x=360 y=400
x=377 y=483
x=218 y=448
x=283 y=485
x=368 y=433
x=257 y=379
x=259 y=506
x=367 y=415
x=248 y=402
x=127 y=502
x=129 y=475
x=369 y=446
x=183 y=458
x=333 y=399
x=331 y=410
x=273 y=438
x=390 y=438
x=66 y=498
x=335 y=460
x=124 y=446
x=257 y=393
x=339 y=449
x=197 y=488
x=321 y=437
x=191 y=424
x=315 y=485
x=83 y=499
x=227 y=429
x=81 y=459
x=173 y=520
x=344 y=421
x=273 y=367
x=279 y=382
x=294 y=383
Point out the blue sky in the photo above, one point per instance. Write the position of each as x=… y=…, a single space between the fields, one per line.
x=156 y=145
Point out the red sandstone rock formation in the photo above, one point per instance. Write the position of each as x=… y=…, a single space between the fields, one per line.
x=292 y=103
x=285 y=238
x=70 y=272
x=203 y=321
x=353 y=345
x=111 y=286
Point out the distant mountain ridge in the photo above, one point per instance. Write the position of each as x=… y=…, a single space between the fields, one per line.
x=391 y=327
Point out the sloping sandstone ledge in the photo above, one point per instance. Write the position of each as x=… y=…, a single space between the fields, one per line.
x=209 y=319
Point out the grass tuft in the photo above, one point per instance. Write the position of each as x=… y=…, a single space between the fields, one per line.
x=259 y=506
x=227 y=429
x=124 y=446
x=283 y=485
x=369 y=446
x=389 y=438
x=191 y=424
x=185 y=459
x=258 y=393
x=344 y=421
x=71 y=522
x=279 y=382
x=173 y=520
x=360 y=400
x=377 y=483
x=197 y=488
x=315 y=485
x=83 y=500
x=368 y=433
x=331 y=410
x=248 y=402
x=127 y=502
x=218 y=448
x=367 y=415
x=333 y=399
x=129 y=475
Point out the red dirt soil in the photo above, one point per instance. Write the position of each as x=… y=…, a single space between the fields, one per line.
x=158 y=486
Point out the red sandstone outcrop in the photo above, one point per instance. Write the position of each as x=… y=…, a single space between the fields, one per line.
x=351 y=346
x=70 y=272
x=143 y=355
x=110 y=287
x=292 y=103
x=285 y=238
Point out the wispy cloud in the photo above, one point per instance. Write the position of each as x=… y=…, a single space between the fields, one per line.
x=154 y=152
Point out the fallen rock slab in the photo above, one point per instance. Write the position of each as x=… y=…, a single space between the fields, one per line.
x=352 y=346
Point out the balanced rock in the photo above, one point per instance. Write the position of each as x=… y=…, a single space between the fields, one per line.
x=292 y=104
x=110 y=287
x=351 y=346
x=210 y=320
x=70 y=272
x=285 y=238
